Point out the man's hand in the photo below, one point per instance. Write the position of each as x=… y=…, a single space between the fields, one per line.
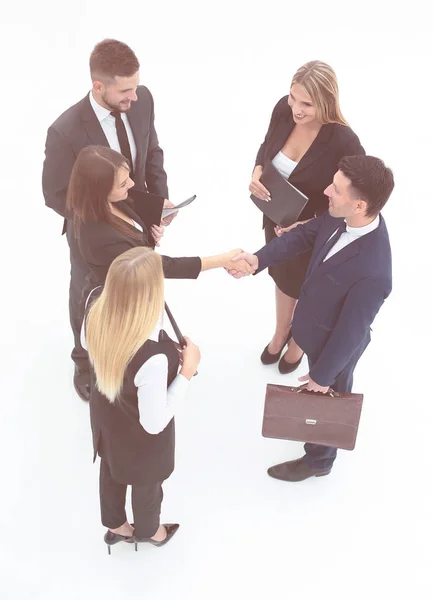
x=169 y=219
x=157 y=233
x=241 y=266
x=312 y=386
x=241 y=258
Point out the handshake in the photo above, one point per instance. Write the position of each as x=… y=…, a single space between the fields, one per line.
x=240 y=263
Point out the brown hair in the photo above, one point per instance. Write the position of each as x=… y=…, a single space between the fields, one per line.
x=110 y=59
x=91 y=182
x=320 y=82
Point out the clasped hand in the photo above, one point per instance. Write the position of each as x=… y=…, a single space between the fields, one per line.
x=237 y=262
x=242 y=264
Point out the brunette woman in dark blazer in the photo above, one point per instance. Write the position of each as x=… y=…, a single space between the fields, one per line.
x=106 y=224
x=306 y=139
x=136 y=390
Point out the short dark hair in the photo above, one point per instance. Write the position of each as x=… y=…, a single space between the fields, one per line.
x=371 y=180
x=111 y=58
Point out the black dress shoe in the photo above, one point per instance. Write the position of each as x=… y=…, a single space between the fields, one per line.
x=285 y=367
x=111 y=538
x=171 y=529
x=269 y=359
x=295 y=470
x=82 y=384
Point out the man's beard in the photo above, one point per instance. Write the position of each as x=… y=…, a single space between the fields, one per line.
x=115 y=107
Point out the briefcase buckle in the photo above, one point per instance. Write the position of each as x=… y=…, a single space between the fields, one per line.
x=310 y=421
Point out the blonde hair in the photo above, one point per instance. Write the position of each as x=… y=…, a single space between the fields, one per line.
x=123 y=317
x=320 y=82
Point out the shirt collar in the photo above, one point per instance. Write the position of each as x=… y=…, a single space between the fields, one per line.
x=360 y=231
x=100 y=112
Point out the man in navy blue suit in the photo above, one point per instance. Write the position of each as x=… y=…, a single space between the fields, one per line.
x=348 y=280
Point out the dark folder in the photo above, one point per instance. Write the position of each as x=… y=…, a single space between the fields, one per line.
x=147 y=206
x=287 y=202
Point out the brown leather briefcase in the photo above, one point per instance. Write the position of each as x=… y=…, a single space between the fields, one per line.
x=293 y=413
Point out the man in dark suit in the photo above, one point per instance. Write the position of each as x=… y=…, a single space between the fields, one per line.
x=117 y=113
x=348 y=279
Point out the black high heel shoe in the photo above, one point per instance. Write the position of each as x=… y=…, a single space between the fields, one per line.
x=269 y=359
x=171 y=529
x=111 y=538
x=285 y=367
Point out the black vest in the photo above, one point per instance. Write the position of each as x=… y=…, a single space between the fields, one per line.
x=133 y=455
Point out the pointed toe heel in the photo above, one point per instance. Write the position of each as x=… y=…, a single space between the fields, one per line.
x=111 y=539
x=171 y=529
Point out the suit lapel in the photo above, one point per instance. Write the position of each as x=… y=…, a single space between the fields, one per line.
x=138 y=126
x=349 y=251
x=92 y=125
x=131 y=213
x=341 y=256
x=283 y=130
x=316 y=150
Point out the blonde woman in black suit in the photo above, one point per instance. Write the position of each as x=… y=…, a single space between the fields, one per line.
x=306 y=139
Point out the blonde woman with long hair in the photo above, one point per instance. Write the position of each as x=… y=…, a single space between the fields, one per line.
x=136 y=391
x=306 y=139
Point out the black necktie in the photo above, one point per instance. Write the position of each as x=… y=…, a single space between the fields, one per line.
x=327 y=247
x=122 y=136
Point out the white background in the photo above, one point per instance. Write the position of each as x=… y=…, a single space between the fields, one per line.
x=216 y=71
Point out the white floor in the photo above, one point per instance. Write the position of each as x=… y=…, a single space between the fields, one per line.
x=364 y=531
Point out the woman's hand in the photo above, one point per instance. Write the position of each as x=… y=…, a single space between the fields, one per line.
x=280 y=230
x=252 y=261
x=256 y=186
x=226 y=260
x=157 y=233
x=240 y=266
x=190 y=359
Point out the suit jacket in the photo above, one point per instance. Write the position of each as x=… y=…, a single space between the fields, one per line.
x=100 y=243
x=319 y=164
x=79 y=127
x=340 y=297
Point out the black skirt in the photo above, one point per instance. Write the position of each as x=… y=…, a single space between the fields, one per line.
x=289 y=275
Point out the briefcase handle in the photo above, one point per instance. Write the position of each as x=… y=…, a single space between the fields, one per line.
x=330 y=393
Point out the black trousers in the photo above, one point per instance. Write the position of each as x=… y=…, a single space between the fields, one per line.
x=146 y=504
x=79 y=272
x=323 y=457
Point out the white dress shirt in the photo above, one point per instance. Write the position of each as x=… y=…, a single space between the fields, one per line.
x=108 y=124
x=157 y=405
x=137 y=226
x=350 y=235
x=284 y=164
